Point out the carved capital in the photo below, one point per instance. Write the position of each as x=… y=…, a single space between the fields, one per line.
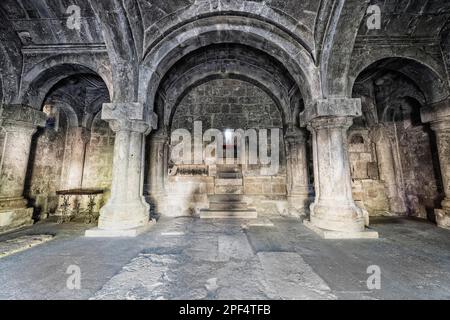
x=14 y=117
x=129 y=117
x=335 y=107
x=342 y=123
x=441 y=126
x=437 y=112
x=295 y=135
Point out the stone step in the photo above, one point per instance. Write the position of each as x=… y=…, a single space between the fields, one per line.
x=228 y=214
x=228 y=182
x=229 y=189
x=231 y=205
x=229 y=175
x=226 y=198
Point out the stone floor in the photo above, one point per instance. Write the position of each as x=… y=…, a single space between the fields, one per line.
x=196 y=259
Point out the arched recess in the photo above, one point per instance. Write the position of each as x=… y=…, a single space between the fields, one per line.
x=40 y=79
x=194 y=82
x=71 y=94
x=402 y=152
x=228 y=30
x=220 y=62
x=424 y=71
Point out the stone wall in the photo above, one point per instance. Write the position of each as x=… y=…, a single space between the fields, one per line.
x=230 y=104
x=414 y=170
x=368 y=189
x=233 y=104
x=50 y=153
x=223 y=104
x=45 y=167
x=418 y=172
x=99 y=156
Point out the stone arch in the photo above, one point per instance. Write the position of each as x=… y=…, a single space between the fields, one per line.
x=233 y=8
x=228 y=30
x=356 y=138
x=39 y=80
x=216 y=76
x=391 y=112
x=424 y=71
x=204 y=66
x=68 y=111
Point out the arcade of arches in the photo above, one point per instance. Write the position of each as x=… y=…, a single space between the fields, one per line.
x=90 y=113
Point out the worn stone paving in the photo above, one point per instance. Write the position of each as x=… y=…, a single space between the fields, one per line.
x=22 y=243
x=195 y=259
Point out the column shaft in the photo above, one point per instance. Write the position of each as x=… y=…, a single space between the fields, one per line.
x=442 y=131
x=158 y=164
x=126 y=209
x=333 y=208
x=19 y=123
x=297 y=169
x=386 y=165
x=78 y=140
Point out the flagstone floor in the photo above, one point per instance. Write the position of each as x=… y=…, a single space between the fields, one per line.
x=188 y=258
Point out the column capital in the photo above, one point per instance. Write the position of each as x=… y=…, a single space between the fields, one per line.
x=14 y=117
x=295 y=135
x=441 y=125
x=331 y=123
x=159 y=138
x=438 y=115
x=332 y=107
x=129 y=116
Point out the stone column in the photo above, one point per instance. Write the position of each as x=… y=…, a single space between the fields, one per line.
x=439 y=117
x=126 y=213
x=334 y=213
x=158 y=163
x=297 y=169
x=442 y=131
x=78 y=140
x=19 y=123
x=379 y=134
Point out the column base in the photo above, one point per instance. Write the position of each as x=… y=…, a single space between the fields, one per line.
x=329 y=234
x=443 y=217
x=119 y=217
x=15 y=218
x=134 y=232
x=300 y=203
x=345 y=218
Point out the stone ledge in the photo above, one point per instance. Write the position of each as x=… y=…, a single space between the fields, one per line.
x=228 y=214
x=328 y=234
x=100 y=233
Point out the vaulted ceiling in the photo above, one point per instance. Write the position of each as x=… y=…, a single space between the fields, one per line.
x=325 y=28
x=412 y=18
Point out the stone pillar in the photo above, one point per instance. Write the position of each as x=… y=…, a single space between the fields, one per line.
x=19 y=123
x=78 y=140
x=126 y=213
x=158 y=163
x=442 y=131
x=439 y=117
x=380 y=136
x=297 y=169
x=334 y=213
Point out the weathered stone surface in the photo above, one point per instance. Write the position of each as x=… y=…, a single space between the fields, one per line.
x=19 y=244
